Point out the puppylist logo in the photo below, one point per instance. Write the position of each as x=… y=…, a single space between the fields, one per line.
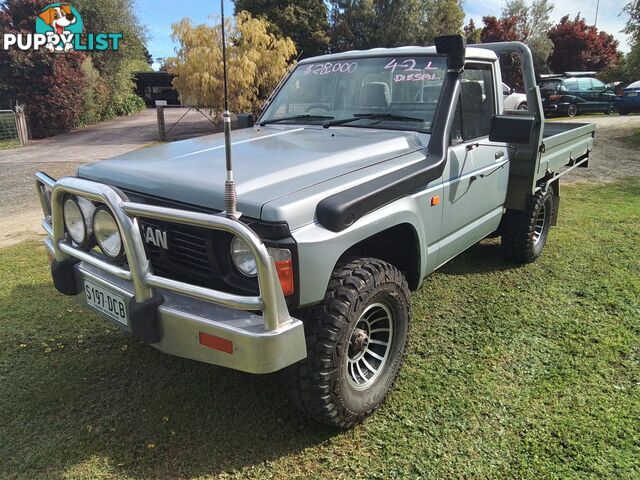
x=59 y=28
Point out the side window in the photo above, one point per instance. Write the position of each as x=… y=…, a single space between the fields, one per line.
x=571 y=84
x=477 y=104
x=584 y=84
x=597 y=85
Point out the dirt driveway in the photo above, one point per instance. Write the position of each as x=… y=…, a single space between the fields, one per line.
x=20 y=213
x=59 y=156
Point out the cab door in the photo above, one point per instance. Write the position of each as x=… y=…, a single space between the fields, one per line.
x=476 y=175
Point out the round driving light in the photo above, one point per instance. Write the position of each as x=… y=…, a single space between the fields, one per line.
x=107 y=233
x=74 y=221
x=243 y=258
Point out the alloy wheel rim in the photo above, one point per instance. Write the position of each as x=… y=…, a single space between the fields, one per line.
x=538 y=228
x=369 y=346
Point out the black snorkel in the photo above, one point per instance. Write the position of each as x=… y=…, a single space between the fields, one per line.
x=341 y=210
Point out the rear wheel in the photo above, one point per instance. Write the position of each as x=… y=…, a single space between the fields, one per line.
x=524 y=233
x=356 y=342
x=623 y=112
x=523 y=106
x=572 y=110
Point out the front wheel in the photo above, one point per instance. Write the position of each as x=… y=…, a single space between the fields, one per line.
x=356 y=341
x=524 y=233
x=611 y=109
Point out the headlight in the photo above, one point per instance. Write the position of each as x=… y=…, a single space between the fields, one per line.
x=78 y=219
x=243 y=258
x=107 y=233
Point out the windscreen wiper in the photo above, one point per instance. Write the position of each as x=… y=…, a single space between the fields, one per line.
x=296 y=117
x=372 y=116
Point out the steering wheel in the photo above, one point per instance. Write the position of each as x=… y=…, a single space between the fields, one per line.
x=317 y=105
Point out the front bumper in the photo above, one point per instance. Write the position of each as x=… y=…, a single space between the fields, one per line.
x=173 y=316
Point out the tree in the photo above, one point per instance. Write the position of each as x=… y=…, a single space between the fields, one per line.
x=256 y=61
x=46 y=83
x=532 y=25
x=473 y=34
x=365 y=24
x=116 y=68
x=441 y=17
x=305 y=21
x=632 y=67
x=579 y=47
x=504 y=30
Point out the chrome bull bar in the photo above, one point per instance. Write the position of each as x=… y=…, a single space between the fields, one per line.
x=270 y=300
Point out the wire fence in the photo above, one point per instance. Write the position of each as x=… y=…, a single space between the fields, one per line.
x=9 y=136
x=186 y=122
x=13 y=128
x=182 y=122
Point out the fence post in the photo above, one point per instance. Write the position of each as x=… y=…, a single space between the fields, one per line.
x=161 y=127
x=21 y=125
x=162 y=131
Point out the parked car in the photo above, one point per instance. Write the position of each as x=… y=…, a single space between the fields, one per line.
x=629 y=101
x=572 y=93
x=616 y=87
x=512 y=99
x=352 y=190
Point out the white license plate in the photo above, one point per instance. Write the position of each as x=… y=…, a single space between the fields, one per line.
x=107 y=302
x=632 y=94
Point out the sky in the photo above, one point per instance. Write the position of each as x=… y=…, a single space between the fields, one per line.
x=158 y=15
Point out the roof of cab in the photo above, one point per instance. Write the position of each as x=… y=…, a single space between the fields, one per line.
x=471 y=52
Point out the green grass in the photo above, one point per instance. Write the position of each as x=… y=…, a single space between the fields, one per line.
x=513 y=372
x=634 y=138
x=5 y=144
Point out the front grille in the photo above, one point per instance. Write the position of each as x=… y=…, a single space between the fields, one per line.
x=201 y=256
x=187 y=250
x=195 y=255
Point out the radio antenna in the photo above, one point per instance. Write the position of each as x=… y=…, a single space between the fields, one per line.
x=230 y=195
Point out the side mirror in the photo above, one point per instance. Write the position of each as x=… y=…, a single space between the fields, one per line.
x=511 y=128
x=512 y=91
x=245 y=120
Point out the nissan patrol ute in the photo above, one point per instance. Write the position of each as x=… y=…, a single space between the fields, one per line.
x=366 y=171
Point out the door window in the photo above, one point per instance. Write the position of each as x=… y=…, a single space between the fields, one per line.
x=584 y=84
x=476 y=105
x=597 y=85
x=571 y=84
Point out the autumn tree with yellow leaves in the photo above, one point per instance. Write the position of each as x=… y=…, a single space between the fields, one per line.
x=256 y=61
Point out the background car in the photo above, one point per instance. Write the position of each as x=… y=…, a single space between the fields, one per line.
x=629 y=101
x=572 y=93
x=513 y=100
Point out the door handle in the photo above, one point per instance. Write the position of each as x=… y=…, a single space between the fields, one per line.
x=499 y=155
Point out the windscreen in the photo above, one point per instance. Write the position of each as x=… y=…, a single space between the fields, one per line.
x=395 y=92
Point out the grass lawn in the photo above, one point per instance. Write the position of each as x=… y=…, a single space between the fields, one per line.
x=5 y=144
x=529 y=372
x=634 y=138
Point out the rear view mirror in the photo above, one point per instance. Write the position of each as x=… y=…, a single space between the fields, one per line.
x=511 y=128
x=245 y=120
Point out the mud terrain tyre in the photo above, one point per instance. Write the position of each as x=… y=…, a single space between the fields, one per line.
x=356 y=341
x=524 y=233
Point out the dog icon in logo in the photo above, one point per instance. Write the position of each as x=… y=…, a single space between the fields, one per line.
x=58 y=17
